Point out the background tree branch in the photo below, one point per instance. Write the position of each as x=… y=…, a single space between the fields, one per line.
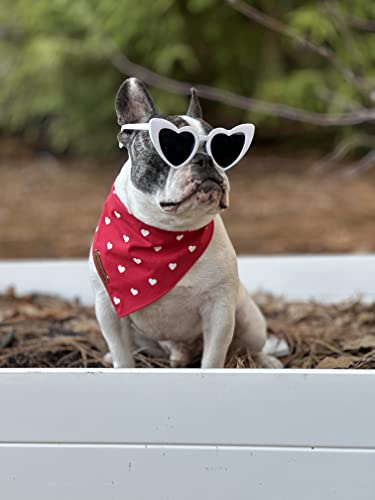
x=355 y=117
x=362 y=24
x=278 y=26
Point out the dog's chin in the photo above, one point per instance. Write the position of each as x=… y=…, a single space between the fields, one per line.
x=208 y=197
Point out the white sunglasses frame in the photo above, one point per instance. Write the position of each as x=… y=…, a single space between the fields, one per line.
x=156 y=124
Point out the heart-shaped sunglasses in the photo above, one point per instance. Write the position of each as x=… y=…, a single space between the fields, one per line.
x=177 y=146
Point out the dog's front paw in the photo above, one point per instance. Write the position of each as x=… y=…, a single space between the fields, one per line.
x=108 y=362
x=263 y=360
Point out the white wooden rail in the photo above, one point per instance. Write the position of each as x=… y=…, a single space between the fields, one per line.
x=191 y=434
x=324 y=278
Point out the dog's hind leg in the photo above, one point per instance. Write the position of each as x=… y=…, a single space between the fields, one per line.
x=250 y=331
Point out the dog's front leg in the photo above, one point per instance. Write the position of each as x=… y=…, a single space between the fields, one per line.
x=218 y=319
x=116 y=331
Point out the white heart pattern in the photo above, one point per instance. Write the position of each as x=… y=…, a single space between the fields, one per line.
x=109 y=245
x=134 y=291
x=192 y=248
x=125 y=238
x=157 y=249
x=107 y=220
x=116 y=301
x=145 y=232
x=172 y=266
x=137 y=261
x=121 y=269
x=179 y=237
x=117 y=214
x=152 y=281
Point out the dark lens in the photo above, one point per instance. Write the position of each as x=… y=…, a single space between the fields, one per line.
x=176 y=147
x=226 y=149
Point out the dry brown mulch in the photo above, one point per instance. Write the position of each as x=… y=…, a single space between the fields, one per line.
x=43 y=331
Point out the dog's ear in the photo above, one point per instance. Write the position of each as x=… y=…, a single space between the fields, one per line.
x=133 y=102
x=194 y=109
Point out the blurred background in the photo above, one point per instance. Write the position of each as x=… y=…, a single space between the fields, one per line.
x=303 y=72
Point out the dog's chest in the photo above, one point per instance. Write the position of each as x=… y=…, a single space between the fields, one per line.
x=178 y=314
x=174 y=316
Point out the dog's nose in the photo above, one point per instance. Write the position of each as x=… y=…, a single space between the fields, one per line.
x=202 y=160
x=202 y=168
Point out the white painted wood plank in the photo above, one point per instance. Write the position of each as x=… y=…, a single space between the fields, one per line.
x=165 y=473
x=325 y=278
x=321 y=277
x=66 y=278
x=227 y=407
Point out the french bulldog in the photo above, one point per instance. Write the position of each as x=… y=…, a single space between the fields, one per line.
x=209 y=302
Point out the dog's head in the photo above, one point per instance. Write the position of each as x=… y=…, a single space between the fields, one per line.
x=189 y=196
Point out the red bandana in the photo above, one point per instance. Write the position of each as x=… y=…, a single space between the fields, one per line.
x=138 y=263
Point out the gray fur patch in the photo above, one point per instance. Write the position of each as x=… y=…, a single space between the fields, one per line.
x=149 y=172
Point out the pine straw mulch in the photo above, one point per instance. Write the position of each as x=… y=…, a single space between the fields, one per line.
x=42 y=331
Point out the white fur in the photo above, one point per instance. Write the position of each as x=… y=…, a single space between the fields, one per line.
x=193 y=122
x=208 y=301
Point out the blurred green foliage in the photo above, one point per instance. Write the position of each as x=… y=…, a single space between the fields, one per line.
x=58 y=82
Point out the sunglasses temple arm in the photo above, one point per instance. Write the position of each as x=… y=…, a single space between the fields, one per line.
x=135 y=126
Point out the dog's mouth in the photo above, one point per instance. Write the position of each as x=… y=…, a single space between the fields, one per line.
x=209 y=185
x=172 y=206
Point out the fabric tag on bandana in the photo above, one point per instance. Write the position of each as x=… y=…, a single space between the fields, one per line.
x=139 y=263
